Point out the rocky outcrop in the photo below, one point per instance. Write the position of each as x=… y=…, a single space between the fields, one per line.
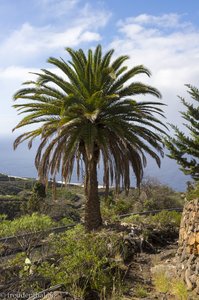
x=188 y=251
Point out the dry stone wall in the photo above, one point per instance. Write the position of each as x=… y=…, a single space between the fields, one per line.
x=188 y=251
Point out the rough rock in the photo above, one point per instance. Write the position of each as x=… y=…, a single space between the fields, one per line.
x=188 y=250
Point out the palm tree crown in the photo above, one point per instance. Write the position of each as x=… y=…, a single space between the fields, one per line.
x=90 y=114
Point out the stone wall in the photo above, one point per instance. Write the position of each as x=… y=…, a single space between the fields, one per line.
x=188 y=251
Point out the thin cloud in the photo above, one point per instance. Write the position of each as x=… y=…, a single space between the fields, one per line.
x=29 y=42
x=17 y=73
x=165 y=21
x=57 y=8
x=171 y=55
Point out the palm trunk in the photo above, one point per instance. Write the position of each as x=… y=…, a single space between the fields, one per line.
x=93 y=219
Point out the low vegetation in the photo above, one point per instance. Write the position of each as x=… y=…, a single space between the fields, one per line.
x=89 y=117
x=96 y=262
x=169 y=285
x=93 y=265
x=152 y=196
x=164 y=219
x=193 y=191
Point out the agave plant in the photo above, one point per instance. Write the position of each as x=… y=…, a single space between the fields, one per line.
x=90 y=115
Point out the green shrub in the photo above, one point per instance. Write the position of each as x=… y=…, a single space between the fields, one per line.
x=162 y=219
x=3 y=217
x=140 y=291
x=86 y=260
x=5 y=228
x=173 y=286
x=134 y=219
x=36 y=199
x=166 y=219
x=111 y=209
x=66 y=221
x=193 y=192
x=162 y=282
x=159 y=196
x=29 y=224
x=17 y=260
x=29 y=230
x=179 y=289
x=122 y=206
x=109 y=214
x=62 y=193
x=152 y=196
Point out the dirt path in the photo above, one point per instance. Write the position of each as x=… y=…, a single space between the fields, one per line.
x=140 y=277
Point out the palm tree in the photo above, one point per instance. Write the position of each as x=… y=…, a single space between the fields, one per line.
x=89 y=115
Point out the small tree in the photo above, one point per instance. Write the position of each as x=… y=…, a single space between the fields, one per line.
x=185 y=148
x=37 y=198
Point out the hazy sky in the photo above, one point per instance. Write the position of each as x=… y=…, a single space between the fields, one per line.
x=162 y=35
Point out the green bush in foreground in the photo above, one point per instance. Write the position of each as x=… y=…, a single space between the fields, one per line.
x=87 y=260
